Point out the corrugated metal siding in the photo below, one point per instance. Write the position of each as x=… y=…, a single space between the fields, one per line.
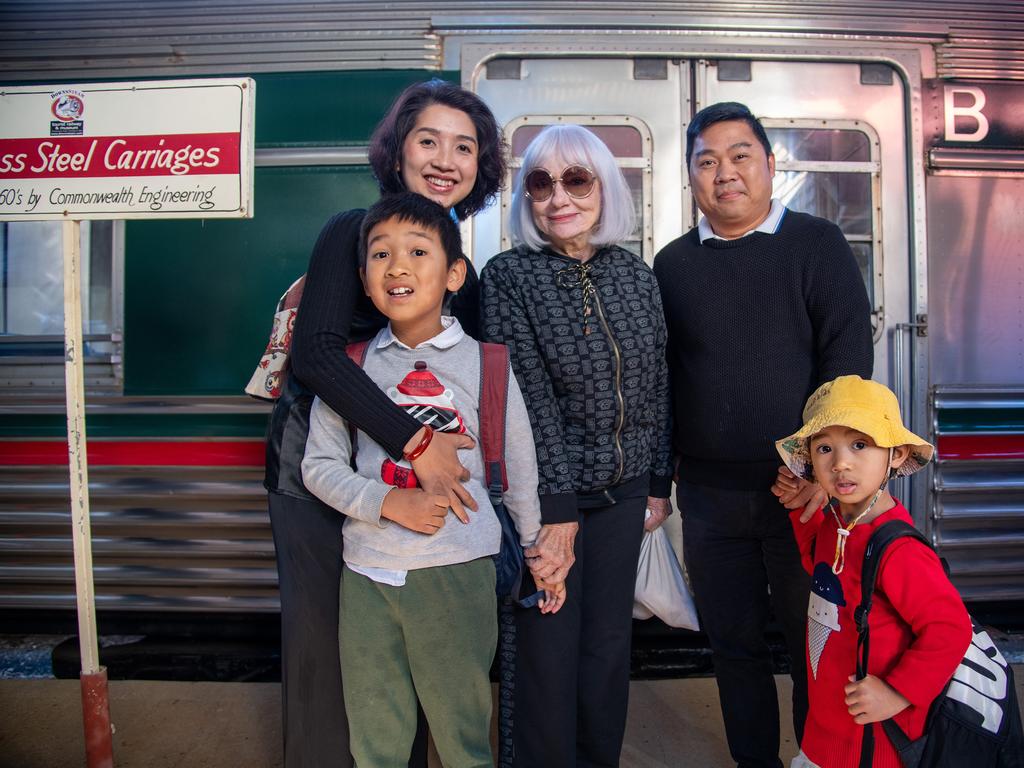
x=168 y=538
x=127 y=38
x=977 y=518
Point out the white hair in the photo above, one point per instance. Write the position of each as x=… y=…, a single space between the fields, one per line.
x=574 y=144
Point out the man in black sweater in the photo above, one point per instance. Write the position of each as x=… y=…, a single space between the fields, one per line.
x=762 y=305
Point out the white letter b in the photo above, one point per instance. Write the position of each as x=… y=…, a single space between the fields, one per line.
x=973 y=111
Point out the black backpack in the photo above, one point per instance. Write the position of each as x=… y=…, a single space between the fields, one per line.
x=975 y=721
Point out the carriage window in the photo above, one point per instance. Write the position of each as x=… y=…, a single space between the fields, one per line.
x=628 y=141
x=32 y=305
x=833 y=172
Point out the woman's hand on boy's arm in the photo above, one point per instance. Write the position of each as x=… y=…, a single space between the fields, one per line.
x=415 y=509
x=439 y=470
x=794 y=492
x=872 y=700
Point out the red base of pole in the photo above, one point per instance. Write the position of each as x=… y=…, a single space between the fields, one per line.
x=99 y=748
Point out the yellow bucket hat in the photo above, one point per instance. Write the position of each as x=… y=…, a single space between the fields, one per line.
x=864 y=405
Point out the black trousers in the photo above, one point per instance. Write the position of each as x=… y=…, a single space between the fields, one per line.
x=743 y=561
x=307 y=538
x=572 y=668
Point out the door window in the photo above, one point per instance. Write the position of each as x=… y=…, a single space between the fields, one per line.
x=32 y=304
x=831 y=169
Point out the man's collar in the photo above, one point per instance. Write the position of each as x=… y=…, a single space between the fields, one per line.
x=447 y=338
x=769 y=226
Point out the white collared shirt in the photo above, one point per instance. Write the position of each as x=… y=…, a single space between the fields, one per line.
x=769 y=226
x=451 y=335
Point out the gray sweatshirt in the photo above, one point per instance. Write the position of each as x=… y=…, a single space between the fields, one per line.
x=445 y=392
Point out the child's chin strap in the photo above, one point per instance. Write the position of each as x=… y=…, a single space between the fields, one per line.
x=843 y=532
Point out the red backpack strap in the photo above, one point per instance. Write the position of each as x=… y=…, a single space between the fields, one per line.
x=493 y=399
x=357 y=351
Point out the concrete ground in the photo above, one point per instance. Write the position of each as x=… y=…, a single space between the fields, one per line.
x=672 y=724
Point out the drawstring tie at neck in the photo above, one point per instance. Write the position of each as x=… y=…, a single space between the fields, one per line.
x=843 y=532
x=579 y=274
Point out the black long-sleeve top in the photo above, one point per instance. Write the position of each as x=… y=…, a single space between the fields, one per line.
x=334 y=311
x=754 y=326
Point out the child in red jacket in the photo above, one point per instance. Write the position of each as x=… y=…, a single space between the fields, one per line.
x=852 y=442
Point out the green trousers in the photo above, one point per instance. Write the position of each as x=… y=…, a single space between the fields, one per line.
x=432 y=639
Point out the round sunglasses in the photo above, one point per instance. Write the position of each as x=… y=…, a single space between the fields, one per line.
x=576 y=180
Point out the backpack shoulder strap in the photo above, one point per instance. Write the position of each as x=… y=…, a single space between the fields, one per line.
x=877 y=544
x=357 y=351
x=493 y=401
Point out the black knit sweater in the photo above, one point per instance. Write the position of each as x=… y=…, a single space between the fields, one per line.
x=754 y=326
x=334 y=311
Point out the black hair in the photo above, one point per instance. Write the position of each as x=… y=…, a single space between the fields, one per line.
x=408 y=206
x=719 y=113
x=389 y=136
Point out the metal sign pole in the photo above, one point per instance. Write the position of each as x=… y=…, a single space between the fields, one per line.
x=95 y=702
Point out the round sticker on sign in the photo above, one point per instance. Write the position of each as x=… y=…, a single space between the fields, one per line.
x=67 y=106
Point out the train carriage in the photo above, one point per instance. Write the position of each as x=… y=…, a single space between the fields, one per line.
x=903 y=122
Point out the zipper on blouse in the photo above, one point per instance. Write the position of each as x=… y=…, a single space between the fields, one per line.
x=621 y=417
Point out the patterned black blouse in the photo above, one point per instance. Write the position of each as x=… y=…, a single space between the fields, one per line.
x=587 y=342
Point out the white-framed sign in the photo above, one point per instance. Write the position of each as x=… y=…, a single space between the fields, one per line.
x=137 y=150
x=147 y=149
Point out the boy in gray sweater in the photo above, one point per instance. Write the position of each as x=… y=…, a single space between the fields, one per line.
x=418 y=608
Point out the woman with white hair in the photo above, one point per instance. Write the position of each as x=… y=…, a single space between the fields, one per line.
x=583 y=323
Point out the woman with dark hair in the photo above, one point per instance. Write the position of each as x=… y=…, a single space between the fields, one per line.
x=386 y=145
x=442 y=142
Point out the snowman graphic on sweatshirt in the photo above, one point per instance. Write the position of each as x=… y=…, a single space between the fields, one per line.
x=822 y=612
x=425 y=399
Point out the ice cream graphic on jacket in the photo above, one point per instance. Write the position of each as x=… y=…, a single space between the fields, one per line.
x=822 y=612
x=427 y=401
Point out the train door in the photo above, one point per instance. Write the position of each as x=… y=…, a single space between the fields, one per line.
x=636 y=105
x=837 y=128
x=838 y=133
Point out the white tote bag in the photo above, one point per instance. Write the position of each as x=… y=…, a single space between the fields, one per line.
x=660 y=587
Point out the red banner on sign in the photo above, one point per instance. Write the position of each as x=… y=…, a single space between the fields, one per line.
x=82 y=157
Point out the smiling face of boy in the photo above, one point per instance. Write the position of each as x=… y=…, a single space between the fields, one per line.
x=407 y=275
x=851 y=468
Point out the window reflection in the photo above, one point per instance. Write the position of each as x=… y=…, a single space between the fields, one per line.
x=817 y=144
x=830 y=190
x=622 y=140
x=32 y=287
x=844 y=198
x=862 y=253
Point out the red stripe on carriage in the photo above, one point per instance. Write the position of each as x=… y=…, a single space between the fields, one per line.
x=967 y=447
x=141 y=453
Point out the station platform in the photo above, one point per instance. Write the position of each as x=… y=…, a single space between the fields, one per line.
x=161 y=724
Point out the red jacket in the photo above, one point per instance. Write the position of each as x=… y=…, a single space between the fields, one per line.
x=920 y=631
